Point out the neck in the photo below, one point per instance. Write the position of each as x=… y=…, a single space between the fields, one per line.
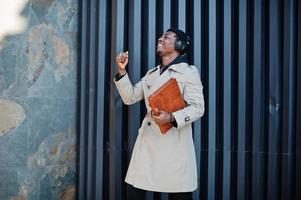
x=168 y=59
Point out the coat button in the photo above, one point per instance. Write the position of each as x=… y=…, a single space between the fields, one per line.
x=148 y=123
x=148 y=86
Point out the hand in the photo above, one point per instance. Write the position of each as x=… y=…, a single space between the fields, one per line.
x=161 y=117
x=122 y=61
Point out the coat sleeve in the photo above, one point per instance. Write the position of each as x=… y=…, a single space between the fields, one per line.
x=129 y=94
x=193 y=95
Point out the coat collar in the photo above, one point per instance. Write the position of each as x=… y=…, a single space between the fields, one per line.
x=181 y=67
x=153 y=70
x=178 y=65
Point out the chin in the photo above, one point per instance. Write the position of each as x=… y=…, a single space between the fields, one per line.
x=159 y=52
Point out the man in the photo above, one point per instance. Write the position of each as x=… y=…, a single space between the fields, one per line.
x=164 y=162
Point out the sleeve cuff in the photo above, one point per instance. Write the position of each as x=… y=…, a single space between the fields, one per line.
x=118 y=77
x=174 y=124
x=182 y=118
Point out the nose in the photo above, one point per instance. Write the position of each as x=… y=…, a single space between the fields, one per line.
x=160 y=39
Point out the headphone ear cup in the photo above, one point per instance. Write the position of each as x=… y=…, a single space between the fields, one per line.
x=180 y=45
x=177 y=45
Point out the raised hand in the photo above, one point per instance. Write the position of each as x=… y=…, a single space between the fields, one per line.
x=122 y=61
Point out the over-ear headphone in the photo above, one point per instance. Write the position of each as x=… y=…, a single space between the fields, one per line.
x=182 y=45
x=182 y=42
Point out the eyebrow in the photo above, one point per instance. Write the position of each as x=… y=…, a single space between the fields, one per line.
x=170 y=34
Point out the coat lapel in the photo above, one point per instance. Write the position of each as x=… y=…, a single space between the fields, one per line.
x=155 y=80
x=159 y=80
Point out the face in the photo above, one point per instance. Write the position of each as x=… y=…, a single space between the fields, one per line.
x=166 y=43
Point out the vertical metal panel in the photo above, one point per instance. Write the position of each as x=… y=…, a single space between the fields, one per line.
x=249 y=57
x=167 y=14
x=274 y=101
x=204 y=77
x=182 y=15
x=297 y=144
x=242 y=101
x=196 y=13
x=82 y=118
x=151 y=32
x=116 y=106
x=227 y=98
x=100 y=130
x=288 y=88
x=258 y=121
x=134 y=66
x=119 y=126
x=211 y=100
x=91 y=97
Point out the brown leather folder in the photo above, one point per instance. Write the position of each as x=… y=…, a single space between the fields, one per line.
x=168 y=98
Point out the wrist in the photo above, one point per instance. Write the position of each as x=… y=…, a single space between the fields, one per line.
x=171 y=118
x=121 y=72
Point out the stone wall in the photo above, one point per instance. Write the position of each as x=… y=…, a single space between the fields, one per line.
x=38 y=95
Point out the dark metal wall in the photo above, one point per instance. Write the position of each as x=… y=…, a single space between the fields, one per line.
x=248 y=144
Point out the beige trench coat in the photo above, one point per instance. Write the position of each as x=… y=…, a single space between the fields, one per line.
x=165 y=163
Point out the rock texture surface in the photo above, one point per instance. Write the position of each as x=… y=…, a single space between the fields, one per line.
x=38 y=91
x=11 y=116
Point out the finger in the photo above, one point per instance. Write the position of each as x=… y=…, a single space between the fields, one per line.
x=152 y=113
x=158 y=111
x=118 y=56
x=157 y=121
x=156 y=117
x=122 y=54
x=118 y=59
x=125 y=54
x=123 y=57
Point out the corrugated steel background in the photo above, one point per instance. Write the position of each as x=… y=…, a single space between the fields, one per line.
x=248 y=143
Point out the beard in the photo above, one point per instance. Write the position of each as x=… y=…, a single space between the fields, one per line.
x=159 y=51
